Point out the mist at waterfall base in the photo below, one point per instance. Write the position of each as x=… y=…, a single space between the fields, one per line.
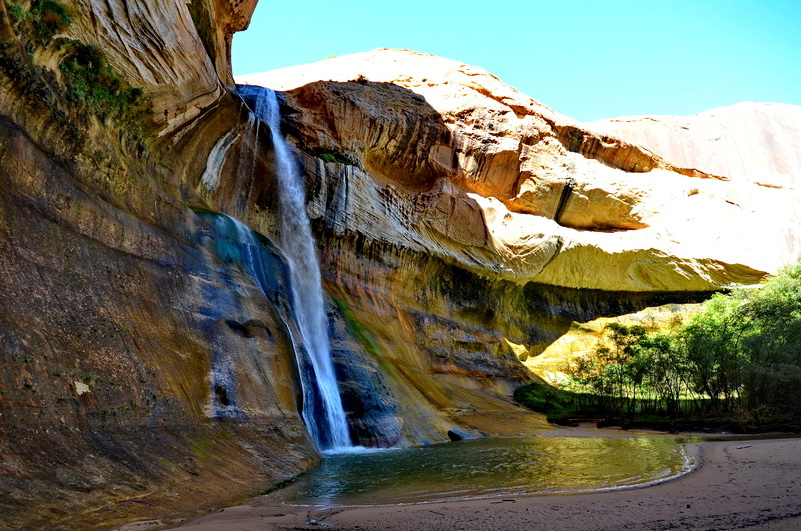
x=322 y=405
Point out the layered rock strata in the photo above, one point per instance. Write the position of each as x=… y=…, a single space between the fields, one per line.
x=119 y=301
x=462 y=227
x=414 y=156
x=459 y=165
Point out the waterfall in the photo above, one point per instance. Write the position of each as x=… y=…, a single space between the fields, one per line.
x=322 y=404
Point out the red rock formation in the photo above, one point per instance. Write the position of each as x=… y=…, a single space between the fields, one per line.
x=493 y=181
x=457 y=220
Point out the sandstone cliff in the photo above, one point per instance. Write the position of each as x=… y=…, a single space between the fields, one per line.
x=539 y=197
x=118 y=303
x=527 y=222
x=462 y=227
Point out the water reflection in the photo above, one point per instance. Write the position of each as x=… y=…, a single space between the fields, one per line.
x=485 y=467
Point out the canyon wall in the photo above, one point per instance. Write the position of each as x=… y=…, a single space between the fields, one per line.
x=462 y=227
x=143 y=372
x=518 y=225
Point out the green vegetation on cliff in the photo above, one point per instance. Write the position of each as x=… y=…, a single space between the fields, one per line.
x=91 y=81
x=85 y=76
x=40 y=20
x=335 y=155
x=738 y=362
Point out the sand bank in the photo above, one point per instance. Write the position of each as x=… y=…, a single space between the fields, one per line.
x=735 y=485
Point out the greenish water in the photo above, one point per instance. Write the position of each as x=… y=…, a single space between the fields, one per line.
x=486 y=468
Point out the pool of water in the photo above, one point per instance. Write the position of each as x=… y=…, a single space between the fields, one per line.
x=486 y=468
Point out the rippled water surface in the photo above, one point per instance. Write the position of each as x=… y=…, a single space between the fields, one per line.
x=485 y=467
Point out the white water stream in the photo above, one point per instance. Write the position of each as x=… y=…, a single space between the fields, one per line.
x=322 y=405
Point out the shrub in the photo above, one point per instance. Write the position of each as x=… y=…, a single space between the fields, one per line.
x=334 y=155
x=45 y=19
x=91 y=81
x=558 y=405
x=48 y=18
x=16 y=11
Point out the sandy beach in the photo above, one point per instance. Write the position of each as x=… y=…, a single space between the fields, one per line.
x=735 y=485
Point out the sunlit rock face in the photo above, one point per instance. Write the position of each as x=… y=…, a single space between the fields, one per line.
x=754 y=150
x=459 y=165
x=465 y=226
x=460 y=224
x=179 y=52
x=586 y=336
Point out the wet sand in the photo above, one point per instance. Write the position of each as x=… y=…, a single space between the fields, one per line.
x=735 y=485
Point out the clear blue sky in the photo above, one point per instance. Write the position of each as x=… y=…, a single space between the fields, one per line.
x=587 y=59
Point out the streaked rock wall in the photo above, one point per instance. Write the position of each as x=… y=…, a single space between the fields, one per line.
x=462 y=227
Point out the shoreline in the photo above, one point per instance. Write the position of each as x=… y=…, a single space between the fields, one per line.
x=734 y=483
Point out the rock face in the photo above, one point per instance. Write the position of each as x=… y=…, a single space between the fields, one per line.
x=459 y=218
x=462 y=227
x=441 y=192
x=119 y=303
x=494 y=182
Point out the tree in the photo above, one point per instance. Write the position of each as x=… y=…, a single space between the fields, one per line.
x=612 y=373
x=772 y=344
x=666 y=371
x=711 y=344
x=741 y=356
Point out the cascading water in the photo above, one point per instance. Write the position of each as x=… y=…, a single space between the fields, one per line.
x=322 y=405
